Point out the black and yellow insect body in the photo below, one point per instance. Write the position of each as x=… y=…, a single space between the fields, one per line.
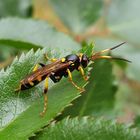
x=59 y=68
x=75 y=64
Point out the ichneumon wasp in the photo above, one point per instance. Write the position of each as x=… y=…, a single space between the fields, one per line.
x=62 y=67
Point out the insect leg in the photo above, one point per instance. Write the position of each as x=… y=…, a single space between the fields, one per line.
x=37 y=65
x=82 y=73
x=45 y=97
x=70 y=78
x=50 y=59
x=42 y=65
x=18 y=89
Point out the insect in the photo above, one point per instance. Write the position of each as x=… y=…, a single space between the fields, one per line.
x=62 y=67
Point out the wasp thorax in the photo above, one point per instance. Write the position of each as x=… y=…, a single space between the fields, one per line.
x=75 y=61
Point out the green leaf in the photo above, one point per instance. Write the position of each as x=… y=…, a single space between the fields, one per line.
x=87 y=48
x=79 y=14
x=31 y=33
x=99 y=97
x=21 y=8
x=124 y=21
x=9 y=81
x=22 y=111
x=137 y=121
x=87 y=128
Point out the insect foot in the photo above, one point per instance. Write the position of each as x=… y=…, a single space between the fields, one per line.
x=81 y=90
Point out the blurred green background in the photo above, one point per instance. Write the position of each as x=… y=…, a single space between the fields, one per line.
x=104 y=22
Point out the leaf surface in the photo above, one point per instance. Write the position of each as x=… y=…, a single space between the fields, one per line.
x=25 y=107
x=20 y=109
x=29 y=33
x=87 y=128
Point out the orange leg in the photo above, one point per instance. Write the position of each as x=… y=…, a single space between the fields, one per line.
x=50 y=59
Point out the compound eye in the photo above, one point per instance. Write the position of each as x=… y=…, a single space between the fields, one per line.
x=84 y=60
